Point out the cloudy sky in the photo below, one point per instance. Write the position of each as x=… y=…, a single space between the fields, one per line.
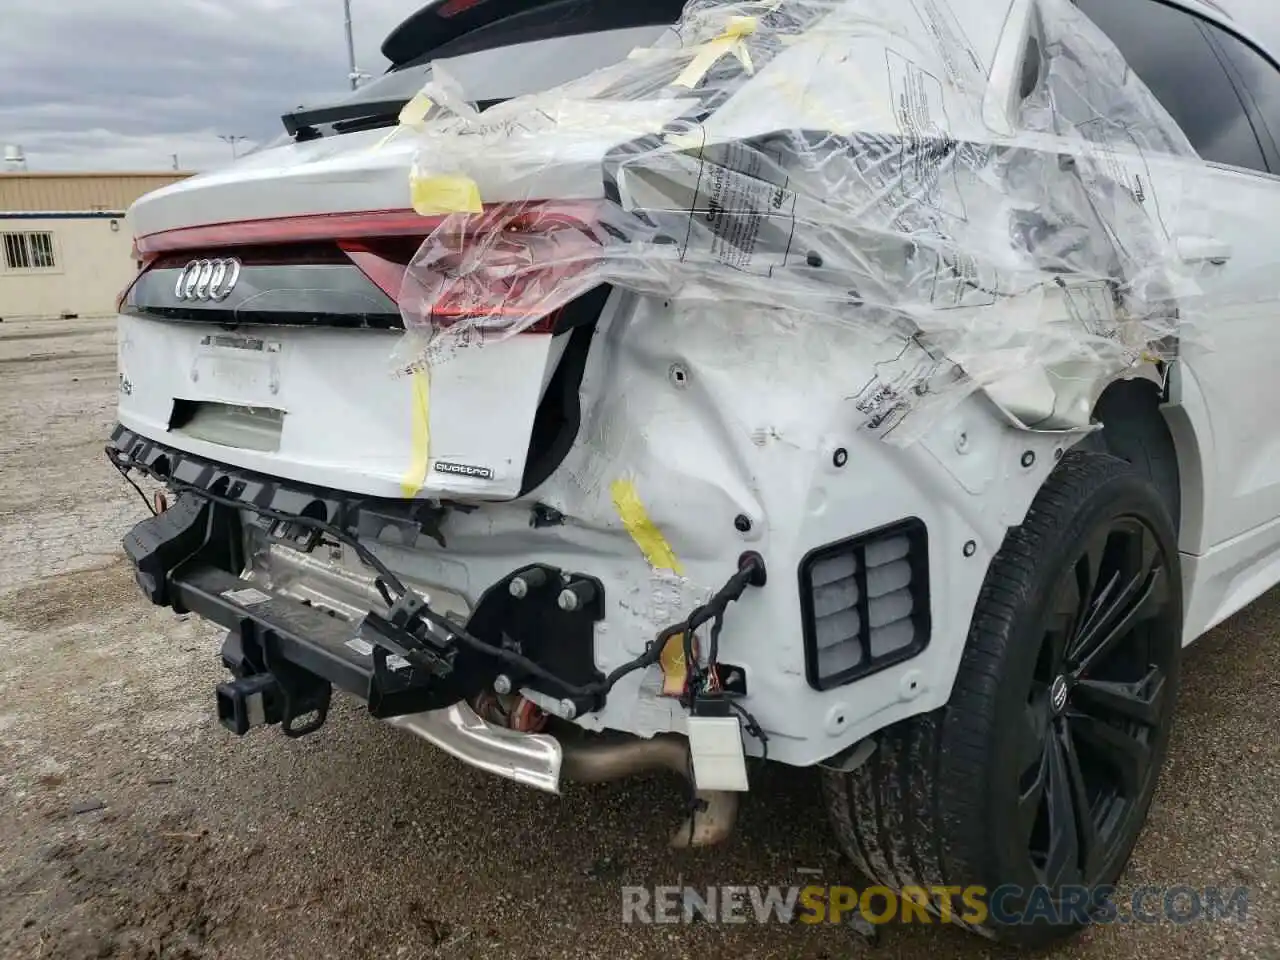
x=125 y=84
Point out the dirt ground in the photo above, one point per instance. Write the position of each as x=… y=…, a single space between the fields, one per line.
x=132 y=825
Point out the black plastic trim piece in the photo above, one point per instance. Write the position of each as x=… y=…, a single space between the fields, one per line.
x=258 y=318
x=918 y=556
x=299 y=120
x=560 y=641
x=319 y=294
x=363 y=516
x=559 y=416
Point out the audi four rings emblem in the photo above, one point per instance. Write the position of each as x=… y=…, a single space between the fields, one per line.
x=208 y=280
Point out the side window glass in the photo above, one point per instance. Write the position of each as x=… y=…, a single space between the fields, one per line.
x=1168 y=50
x=1260 y=78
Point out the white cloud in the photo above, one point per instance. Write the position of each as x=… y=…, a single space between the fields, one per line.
x=109 y=84
x=91 y=85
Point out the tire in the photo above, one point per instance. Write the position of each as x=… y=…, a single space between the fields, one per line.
x=965 y=796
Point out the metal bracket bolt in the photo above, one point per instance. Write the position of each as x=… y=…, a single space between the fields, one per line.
x=575 y=596
x=529 y=580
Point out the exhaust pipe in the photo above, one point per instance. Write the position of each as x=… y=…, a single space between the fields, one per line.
x=715 y=811
x=542 y=761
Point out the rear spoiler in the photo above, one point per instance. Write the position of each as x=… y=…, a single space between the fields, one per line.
x=453 y=28
x=498 y=23
x=438 y=22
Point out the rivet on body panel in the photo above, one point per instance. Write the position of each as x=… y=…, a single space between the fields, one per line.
x=835 y=451
x=837 y=719
x=911 y=685
x=748 y=527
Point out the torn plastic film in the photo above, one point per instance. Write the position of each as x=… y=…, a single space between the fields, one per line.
x=823 y=162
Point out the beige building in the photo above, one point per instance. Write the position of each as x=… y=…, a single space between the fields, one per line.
x=65 y=246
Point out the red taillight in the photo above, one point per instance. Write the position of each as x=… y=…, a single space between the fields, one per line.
x=282 y=230
x=515 y=262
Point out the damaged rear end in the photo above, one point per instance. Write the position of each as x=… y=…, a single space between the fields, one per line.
x=569 y=415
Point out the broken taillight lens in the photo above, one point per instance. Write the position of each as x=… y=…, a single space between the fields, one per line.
x=509 y=267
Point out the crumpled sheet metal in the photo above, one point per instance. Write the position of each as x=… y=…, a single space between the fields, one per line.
x=828 y=161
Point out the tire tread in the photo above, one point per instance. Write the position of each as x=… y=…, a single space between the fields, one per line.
x=911 y=814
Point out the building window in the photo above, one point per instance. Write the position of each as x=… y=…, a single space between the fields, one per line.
x=28 y=251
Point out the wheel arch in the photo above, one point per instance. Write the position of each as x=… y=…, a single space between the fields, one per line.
x=1141 y=426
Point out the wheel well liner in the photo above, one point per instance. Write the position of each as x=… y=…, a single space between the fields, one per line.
x=1134 y=429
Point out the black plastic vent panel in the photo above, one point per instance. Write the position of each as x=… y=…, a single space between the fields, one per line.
x=865 y=604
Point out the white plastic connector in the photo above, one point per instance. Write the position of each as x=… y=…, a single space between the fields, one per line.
x=719 y=759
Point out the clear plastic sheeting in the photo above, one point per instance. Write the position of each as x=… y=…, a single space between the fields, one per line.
x=981 y=213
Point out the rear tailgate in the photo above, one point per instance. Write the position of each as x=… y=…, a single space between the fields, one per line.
x=261 y=331
x=318 y=406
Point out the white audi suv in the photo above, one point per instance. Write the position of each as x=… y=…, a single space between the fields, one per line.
x=866 y=385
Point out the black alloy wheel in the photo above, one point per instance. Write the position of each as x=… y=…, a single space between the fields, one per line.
x=1099 y=698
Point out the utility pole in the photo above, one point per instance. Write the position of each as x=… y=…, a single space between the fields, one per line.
x=232 y=139
x=351 y=46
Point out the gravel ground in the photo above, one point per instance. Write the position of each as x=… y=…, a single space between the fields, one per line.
x=134 y=826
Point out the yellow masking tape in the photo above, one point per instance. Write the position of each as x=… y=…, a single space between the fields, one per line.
x=412 y=116
x=731 y=41
x=416 y=478
x=647 y=536
x=675 y=674
x=416 y=110
x=385 y=140
x=433 y=196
